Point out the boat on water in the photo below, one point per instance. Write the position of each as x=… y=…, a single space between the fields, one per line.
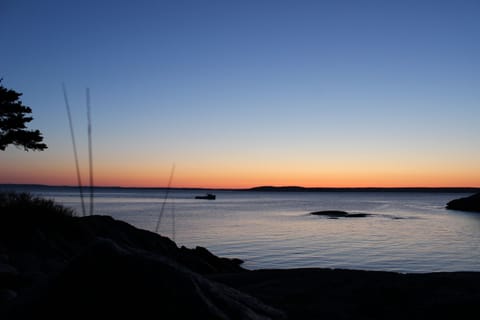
x=208 y=196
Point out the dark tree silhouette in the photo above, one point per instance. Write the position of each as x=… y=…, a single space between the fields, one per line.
x=13 y=120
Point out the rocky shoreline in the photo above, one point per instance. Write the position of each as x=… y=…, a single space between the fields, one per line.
x=471 y=203
x=59 y=266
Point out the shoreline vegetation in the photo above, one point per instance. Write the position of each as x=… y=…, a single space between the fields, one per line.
x=55 y=264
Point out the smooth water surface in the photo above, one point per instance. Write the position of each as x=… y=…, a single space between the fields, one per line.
x=406 y=232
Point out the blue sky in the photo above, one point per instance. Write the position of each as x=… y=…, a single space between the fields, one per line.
x=299 y=89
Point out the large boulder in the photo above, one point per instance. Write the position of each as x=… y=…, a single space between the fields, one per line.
x=471 y=203
x=56 y=265
x=108 y=281
x=34 y=244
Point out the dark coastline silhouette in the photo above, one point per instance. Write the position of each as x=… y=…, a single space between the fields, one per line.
x=56 y=265
x=362 y=189
x=471 y=203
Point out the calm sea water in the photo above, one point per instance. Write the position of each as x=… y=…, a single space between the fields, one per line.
x=407 y=232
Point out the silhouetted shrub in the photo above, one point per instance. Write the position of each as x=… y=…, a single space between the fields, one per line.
x=29 y=206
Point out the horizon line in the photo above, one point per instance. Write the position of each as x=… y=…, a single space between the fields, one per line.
x=254 y=188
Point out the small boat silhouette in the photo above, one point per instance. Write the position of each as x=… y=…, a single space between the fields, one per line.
x=208 y=196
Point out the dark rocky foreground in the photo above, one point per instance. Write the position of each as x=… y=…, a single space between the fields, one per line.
x=95 y=266
x=349 y=294
x=61 y=267
x=471 y=203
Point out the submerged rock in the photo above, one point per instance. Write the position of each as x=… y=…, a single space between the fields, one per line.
x=335 y=214
x=471 y=203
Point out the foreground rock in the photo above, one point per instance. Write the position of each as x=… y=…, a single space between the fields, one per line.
x=107 y=281
x=471 y=203
x=335 y=214
x=350 y=294
x=57 y=266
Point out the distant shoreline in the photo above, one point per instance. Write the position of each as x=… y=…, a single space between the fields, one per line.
x=365 y=189
x=7 y=186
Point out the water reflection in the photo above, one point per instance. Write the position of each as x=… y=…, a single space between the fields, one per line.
x=407 y=232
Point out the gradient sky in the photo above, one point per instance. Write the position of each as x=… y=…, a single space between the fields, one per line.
x=246 y=93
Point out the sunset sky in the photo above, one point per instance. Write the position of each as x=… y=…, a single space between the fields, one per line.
x=246 y=93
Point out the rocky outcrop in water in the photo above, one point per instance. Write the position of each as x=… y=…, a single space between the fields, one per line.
x=335 y=214
x=471 y=203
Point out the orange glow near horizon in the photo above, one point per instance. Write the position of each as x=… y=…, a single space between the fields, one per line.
x=246 y=178
x=236 y=173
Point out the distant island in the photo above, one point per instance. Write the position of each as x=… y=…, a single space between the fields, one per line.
x=363 y=189
x=264 y=188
